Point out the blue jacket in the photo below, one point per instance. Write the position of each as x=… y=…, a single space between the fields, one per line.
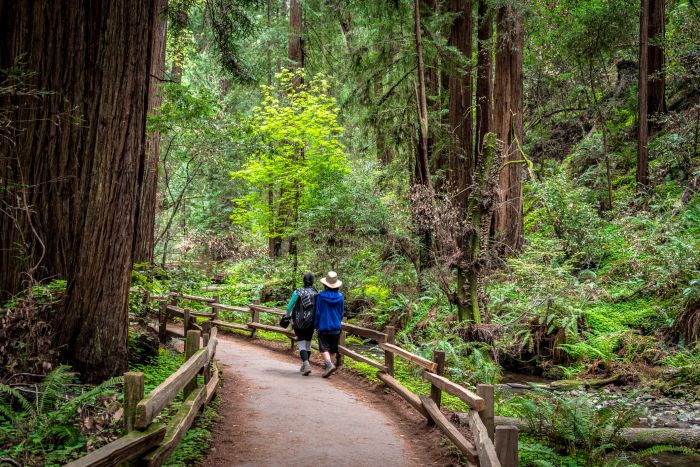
x=329 y=310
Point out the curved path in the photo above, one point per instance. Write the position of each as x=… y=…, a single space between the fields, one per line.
x=271 y=415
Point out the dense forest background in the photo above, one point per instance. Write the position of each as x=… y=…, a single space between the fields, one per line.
x=512 y=181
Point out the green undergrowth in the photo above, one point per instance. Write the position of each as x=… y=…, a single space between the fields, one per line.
x=196 y=442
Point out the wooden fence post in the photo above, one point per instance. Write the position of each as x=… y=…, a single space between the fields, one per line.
x=256 y=317
x=388 y=356
x=507 y=445
x=486 y=415
x=436 y=392
x=163 y=322
x=207 y=367
x=191 y=347
x=133 y=393
x=186 y=312
x=214 y=310
x=341 y=341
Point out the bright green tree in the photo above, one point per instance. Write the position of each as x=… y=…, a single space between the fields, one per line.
x=297 y=157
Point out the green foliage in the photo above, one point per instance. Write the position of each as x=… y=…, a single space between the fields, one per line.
x=574 y=423
x=194 y=446
x=299 y=157
x=45 y=429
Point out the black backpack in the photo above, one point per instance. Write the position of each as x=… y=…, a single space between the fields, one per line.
x=304 y=311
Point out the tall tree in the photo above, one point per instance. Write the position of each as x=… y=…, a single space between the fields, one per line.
x=643 y=98
x=146 y=210
x=484 y=73
x=508 y=125
x=73 y=174
x=656 y=72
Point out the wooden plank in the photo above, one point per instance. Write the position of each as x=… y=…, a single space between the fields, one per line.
x=225 y=324
x=364 y=332
x=177 y=427
x=507 y=445
x=124 y=449
x=420 y=361
x=484 y=446
x=267 y=327
x=360 y=358
x=194 y=298
x=213 y=382
x=192 y=345
x=403 y=391
x=160 y=397
x=174 y=333
x=267 y=309
x=202 y=314
x=176 y=311
x=240 y=309
x=471 y=399
x=457 y=438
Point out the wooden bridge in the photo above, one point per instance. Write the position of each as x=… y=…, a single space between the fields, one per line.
x=151 y=443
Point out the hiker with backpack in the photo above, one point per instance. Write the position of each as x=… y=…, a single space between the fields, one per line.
x=330 y=306
x=301 y=310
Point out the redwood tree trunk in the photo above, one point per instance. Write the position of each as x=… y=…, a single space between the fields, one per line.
x=146 y=211
x=296 y=41
x=484 y=75
x=656 y=73
x=71 y=180
x=460 y=109
x=508 y=124
x=643 y=96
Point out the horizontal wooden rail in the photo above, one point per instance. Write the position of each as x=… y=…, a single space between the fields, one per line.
x=174 y=333
x=484 y=445
x=225 y=324
x=202 y=314
x=267 y=327
x=267 y=309
x=124 y=449
x=364 y=332
x=240 y=309
x=472 y=400
x=193 y=298
x=420 y=361
x=467 y=448
x=176 y=311
x=161 y=396
x=403 y=391
x=177 y=427
x=360 y=358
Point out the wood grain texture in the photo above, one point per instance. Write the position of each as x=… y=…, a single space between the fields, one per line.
x=403 y=391
x=420 y=361
x=471 y=399
x=360 y=358
x=484 y=446
x=464 y=445
x=364 y=332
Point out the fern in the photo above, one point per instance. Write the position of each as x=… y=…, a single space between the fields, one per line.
x=661 y=448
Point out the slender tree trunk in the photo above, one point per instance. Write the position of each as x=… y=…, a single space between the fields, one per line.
x=422 y=156
x=643 y=96
x=77 y=159
x=656 y=73
x=296 y=41
x=176 y=70
x=508 y=123
x=484 y=75
x=146 y=212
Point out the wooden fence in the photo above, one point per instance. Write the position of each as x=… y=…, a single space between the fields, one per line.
x=491 y=447
x=150 y=442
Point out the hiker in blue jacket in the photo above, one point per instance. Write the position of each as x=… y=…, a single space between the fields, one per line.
x=330 y=306
x=301 y=309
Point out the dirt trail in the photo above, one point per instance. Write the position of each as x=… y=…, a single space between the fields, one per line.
x=273 y=416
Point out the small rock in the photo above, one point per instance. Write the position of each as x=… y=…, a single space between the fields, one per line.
x=647 y=397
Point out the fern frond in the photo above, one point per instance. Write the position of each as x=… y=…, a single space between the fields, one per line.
x=53 y=388
x=9 y=394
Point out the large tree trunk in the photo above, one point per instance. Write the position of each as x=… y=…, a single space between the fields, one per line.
x=461 y=165
x=484 y=75
x=643 y=96
x=296 y=41
x=146 y=211
x=508 y=124
x=71 y=177
x=656 y=73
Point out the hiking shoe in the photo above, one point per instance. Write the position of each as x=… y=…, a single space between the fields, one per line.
x=330 y=368
x=305 y=368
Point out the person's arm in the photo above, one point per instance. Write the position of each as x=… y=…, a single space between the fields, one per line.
x=290 y=306
x=316 y=314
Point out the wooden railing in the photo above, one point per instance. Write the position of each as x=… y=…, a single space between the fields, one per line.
x=150 y=442
x=491 y=446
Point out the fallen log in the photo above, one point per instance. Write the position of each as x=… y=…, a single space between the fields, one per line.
x=637 y=438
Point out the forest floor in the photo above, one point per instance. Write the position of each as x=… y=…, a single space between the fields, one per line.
x=272 y=415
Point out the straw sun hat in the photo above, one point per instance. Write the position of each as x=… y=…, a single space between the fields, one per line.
x=331 y=280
